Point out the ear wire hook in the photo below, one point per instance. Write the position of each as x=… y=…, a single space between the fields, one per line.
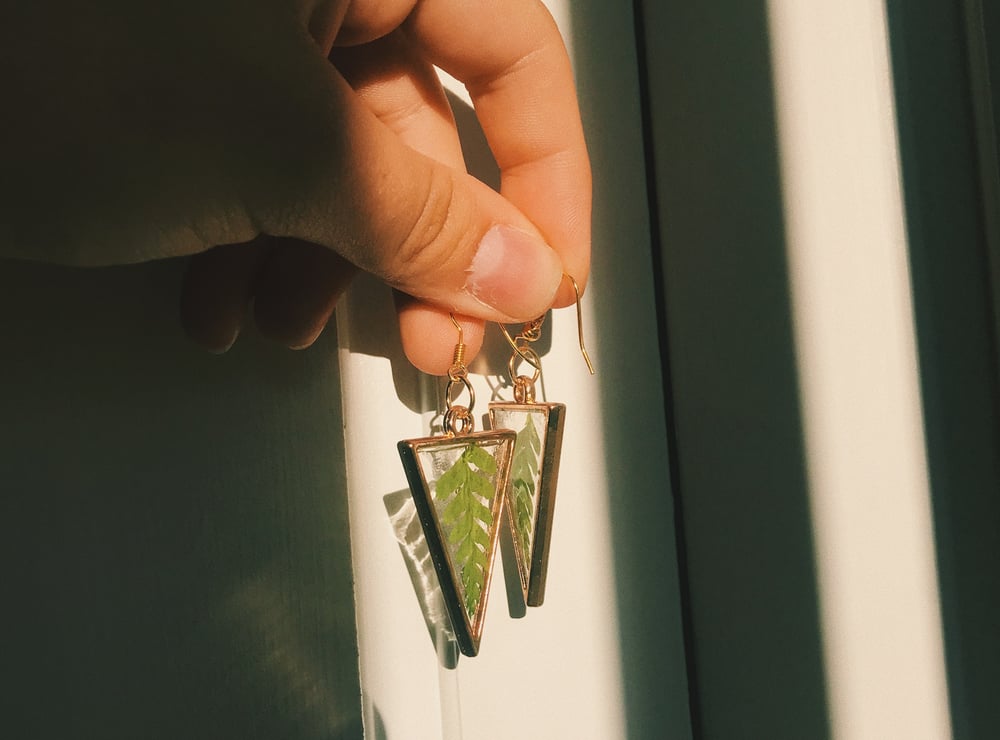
x=458 y=359
x=579 y=328
x=579 y=324
x=461 y=334
x=458 y=419
x=517 y=350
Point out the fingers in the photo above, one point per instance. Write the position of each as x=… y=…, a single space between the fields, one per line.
x=296 y=290
x=357 y=184
x=511 y=58
x=367 y=20
x=294 y=287
x=403 y=92
x=424 y=228
x=217 y=286
x=423 y=326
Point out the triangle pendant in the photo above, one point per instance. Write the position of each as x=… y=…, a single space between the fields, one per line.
x=457 y=484
x=531 y=492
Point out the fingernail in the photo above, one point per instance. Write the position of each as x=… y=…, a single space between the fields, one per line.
x=514 y=273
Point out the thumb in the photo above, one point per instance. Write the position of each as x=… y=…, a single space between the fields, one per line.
x=424 y=228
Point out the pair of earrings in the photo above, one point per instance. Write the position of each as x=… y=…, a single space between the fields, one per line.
x=465 y=482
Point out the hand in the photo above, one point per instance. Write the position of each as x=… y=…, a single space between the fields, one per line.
x=136 y=131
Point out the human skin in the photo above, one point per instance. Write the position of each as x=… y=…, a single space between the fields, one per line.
x=286 y=144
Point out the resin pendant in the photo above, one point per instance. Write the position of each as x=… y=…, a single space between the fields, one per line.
x=458 y=485
x=531 y=491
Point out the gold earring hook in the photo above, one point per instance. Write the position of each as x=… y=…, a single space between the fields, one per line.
x=518 y=350
x=579 y=324
x=458 y=359
x=579 y=327
x=458 y=419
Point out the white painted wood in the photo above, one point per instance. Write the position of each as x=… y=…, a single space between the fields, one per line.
x=856 y=351
x=561 y=660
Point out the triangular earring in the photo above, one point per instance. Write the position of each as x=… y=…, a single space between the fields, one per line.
x=531 y=491
x=458 y=481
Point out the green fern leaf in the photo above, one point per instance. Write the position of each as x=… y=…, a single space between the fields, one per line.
x=481 y=459
x=468 y=520
x=523 y=471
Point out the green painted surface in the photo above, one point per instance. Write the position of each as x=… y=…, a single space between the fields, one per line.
x=177 y=559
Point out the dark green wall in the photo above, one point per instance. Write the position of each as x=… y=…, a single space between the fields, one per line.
x=174 y=526
x=754 y=631
x=946 y=211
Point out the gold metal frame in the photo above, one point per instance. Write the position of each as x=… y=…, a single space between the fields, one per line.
x=533 y=574
x=468 y=631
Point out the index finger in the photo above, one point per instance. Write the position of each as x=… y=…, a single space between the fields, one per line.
x=511 y=58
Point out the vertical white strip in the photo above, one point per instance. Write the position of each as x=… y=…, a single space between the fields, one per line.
x=855 y=339
x=404 y=693
x=556 y=672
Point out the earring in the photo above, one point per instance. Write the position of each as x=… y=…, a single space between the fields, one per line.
x=457 y=481
x=531 y=492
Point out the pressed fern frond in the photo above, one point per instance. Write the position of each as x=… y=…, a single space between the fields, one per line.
x=467 y=518
x=523 y=473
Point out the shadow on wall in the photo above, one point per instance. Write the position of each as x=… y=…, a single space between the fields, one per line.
x=413 y=548
x=176 y=522
x=951 y=264
x=752 y=633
